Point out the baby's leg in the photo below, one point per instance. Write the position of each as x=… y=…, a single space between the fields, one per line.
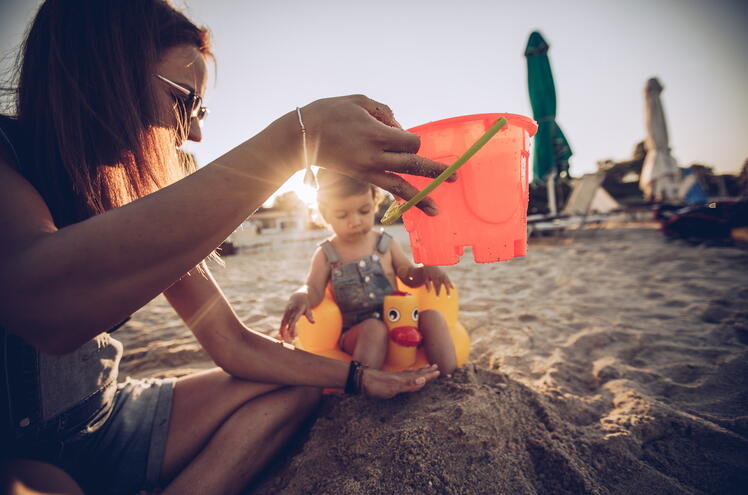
x=367 y=342
x=437 y=341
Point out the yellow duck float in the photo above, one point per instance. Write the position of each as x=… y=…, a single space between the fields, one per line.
x=400 y=312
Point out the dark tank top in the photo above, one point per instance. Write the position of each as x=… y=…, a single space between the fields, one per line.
x=44 y=396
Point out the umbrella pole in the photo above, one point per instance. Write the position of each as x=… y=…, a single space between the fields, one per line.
x=551 y=185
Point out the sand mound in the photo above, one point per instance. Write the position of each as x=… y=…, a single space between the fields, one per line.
x=605 y=362
x=483 y=433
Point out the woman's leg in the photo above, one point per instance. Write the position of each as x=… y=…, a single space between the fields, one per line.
x=437 y=341
x=367 y=342
x=223 y=430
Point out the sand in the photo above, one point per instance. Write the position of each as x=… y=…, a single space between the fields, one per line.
x=607 y=361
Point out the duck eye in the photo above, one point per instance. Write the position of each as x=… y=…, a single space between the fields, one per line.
x=415 y=314
x=393 y=315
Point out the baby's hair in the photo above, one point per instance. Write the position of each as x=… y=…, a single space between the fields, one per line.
x=333 y=185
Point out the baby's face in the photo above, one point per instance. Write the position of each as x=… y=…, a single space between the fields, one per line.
x=351 y=217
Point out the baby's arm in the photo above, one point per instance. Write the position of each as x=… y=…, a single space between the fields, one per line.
x=416 y=276
x=306 y=297
x=317 y=278
x=404 y=269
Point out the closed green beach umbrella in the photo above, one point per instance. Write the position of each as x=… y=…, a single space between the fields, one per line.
x=551 y=151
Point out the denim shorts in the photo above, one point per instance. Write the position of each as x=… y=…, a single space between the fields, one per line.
x=125 y=454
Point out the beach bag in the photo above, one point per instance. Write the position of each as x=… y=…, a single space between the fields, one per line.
x=712 y=221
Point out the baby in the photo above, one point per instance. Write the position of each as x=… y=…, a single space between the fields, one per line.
x=362 y=265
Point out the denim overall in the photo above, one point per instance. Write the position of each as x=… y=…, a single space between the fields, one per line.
x=359 y=287
x=44 y=397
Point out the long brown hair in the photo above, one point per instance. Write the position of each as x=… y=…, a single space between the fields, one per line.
x=86 y=100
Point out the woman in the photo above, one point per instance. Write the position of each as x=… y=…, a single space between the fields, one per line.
x=93 y=221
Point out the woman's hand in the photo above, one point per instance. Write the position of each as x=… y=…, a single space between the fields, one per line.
x=360 y=137
x=298 y=304
x=383 y=385
x=433 y=276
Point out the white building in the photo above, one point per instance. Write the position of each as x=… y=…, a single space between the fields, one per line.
x=268 y=221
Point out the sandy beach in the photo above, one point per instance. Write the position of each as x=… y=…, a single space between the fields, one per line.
x=607 y=361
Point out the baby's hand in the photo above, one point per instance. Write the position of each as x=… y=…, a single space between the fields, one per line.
x=434 y=276
x=298 y=304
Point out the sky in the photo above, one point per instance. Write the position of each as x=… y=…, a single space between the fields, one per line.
x=433 y=59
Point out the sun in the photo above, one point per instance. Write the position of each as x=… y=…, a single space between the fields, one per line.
x=307 y=194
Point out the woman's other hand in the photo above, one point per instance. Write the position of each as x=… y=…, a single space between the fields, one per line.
x=383 y=385
x=360 y=137
x=298 y=304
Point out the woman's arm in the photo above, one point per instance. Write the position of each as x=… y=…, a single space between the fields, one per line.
x=62 y=287
x=250 y=355
x=242 y=352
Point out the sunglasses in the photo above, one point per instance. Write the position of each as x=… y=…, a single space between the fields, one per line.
x=192 y=101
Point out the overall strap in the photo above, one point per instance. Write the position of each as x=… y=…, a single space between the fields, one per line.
x=383 y=244
x=330 y=253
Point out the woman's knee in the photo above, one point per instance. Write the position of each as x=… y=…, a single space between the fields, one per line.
x=277 y=410
x=295 y=402
x=25 y=477
x=306 y=398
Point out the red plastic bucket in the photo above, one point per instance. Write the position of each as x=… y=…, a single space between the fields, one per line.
x=486 y=208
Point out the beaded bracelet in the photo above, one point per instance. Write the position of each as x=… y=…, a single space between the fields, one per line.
x=353 y=383
x=309 y=178
x=359 y=378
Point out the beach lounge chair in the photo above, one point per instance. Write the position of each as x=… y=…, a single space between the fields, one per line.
x=588 y=201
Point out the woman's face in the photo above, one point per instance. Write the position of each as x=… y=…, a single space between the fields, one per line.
x=185 y=66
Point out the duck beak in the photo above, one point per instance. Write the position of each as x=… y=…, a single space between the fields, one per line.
x=407 y=336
